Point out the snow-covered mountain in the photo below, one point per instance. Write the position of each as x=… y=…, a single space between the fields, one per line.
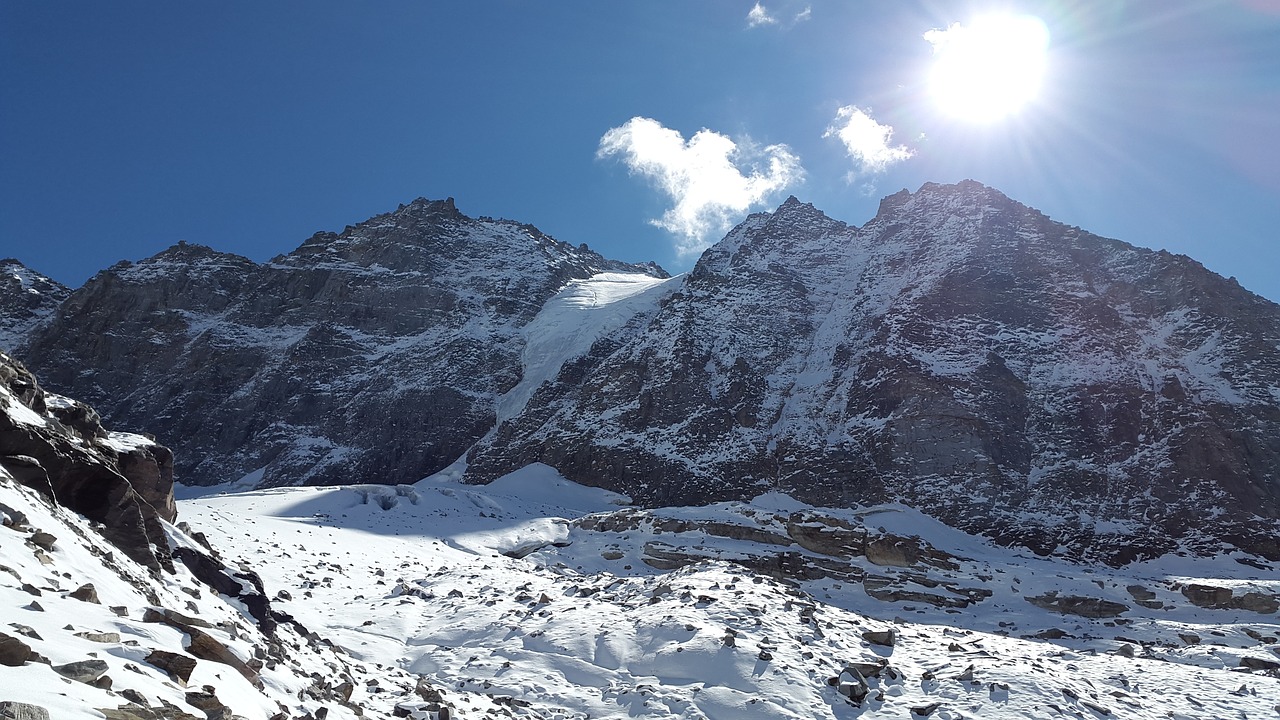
x=373 y=355
x=960 y=353
x=533 y=597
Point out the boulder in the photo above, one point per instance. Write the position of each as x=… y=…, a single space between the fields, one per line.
x=177 y=665
x=14 y=652
x=85 y=671
x=10 y=710
x=1078 y=605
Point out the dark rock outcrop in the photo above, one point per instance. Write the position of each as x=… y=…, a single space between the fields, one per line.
x=57 y=446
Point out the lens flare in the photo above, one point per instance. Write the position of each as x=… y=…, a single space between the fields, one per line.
x=989 y=69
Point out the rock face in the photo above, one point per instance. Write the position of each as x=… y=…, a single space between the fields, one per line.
x=58 y=447
x=27 y=300
x=371 y=356
x=1008 y=374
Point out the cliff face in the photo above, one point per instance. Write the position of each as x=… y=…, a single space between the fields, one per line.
x=58 y=447
x=960 y=352
x=373 y=355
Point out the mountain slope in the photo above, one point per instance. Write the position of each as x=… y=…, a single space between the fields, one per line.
x=961 y=353
x=376 y=355
x=27 y=300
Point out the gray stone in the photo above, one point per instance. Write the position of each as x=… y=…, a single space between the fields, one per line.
x=85 y=671
x=1078 y=605
x=100 y=637
x=85 y=593
x=177 y=665
x=10 y=710
x=13 y=652
x=43 y=540
x=887 y=638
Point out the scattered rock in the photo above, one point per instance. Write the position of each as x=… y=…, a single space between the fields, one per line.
x=85 y=593
x=1189 y=638
x=1259 y=664
x=887 y=638
x=26 y=630
x=925 y=710
x=43 y=540
x=1078 y=605
x=100 y=637
x=1139 y=592
x=177 y=665
x=1207 y=596
x=10 y=710
x=852 y=685
x=1257 y=602
x=13 y=652
x=85 y=671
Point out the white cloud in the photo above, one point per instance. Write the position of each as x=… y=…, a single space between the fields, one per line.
x=759 y=16
x=710 y=179
x=803 y=15
x=866 y=140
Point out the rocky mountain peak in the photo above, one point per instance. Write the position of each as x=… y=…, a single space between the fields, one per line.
x=27 y=299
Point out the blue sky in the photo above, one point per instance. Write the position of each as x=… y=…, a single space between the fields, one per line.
x=247 y=126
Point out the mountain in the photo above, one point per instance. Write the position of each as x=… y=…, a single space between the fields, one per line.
x=960 y=353
x=372 y=355
x=27 y=300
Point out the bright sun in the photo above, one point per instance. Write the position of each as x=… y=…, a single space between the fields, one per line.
x=989 y=69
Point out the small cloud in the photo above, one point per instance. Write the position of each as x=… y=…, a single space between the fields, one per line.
x=803 y=15
x=866 y=140
x=710 y=179
x=759 y=16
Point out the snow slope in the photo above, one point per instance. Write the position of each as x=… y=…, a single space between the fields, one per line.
x=504 y=591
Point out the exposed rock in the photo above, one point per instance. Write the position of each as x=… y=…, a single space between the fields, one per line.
x=27 y=300
x=240 y=585
x=959 y=345
x=100 y=637
x=1207 y=596
x=85 y=593
x=1257 y=602
x=1254 y=663
x=178 y=666
x=881 y=637
x=10 y=710
x=62 y=451
x=205 y=647
x=1140 y=593
x=43 y=540
x=1078 y=605
x=85 y=671
x=134 y=711
x=852 y=685
x=13 y=652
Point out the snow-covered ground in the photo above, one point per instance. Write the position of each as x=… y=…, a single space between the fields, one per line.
x=503 y=591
